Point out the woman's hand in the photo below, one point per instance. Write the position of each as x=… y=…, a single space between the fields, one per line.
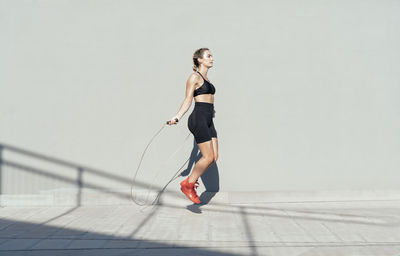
x=173 y=120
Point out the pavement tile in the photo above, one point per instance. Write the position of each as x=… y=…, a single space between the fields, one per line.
x=85 y=243
x=52 y=244
x=122 y=244
x=18 y=244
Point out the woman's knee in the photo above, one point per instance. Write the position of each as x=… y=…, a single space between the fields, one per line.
x=215 y=157
x=209 y=159
x=207 y=152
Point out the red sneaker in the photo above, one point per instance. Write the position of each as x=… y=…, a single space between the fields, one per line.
x=188 y=189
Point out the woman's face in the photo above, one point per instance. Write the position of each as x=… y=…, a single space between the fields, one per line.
x=207 y=59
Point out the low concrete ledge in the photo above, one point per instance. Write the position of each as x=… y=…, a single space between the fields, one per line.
x=236 y=197
x=73 y=197
x=26 y=200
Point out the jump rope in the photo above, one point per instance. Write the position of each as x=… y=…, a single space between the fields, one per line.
x=145 y=202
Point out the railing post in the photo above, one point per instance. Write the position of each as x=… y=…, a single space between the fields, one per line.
x=79 y=184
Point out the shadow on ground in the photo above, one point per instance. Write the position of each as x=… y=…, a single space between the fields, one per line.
x=24 y=238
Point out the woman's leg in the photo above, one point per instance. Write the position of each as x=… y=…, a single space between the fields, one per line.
x=207 y=158
x=214 y=138
x=215 y=148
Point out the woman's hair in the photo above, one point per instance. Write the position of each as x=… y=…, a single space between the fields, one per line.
x=198 y=54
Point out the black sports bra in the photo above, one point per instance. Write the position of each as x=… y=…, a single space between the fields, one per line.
x=206 y=88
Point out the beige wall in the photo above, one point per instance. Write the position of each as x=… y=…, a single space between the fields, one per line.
x=307 y=92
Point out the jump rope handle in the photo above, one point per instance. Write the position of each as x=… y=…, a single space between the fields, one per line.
x=176 y=120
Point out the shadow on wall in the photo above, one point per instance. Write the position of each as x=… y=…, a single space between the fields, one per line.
x=76 y=180
x=75 y=175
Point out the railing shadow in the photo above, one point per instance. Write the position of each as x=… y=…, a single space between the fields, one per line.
x=210 y=178
x=79 y=170
x=251 y=210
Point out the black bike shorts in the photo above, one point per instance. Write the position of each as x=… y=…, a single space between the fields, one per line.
x=200 y=122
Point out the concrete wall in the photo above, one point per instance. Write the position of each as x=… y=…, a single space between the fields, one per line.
x=307 y=93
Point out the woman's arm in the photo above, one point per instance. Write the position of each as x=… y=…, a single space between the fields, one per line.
x=187 y=102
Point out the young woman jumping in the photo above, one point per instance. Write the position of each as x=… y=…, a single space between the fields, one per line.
x=200 y=121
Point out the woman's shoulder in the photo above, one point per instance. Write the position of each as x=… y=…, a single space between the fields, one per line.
x=194 y=77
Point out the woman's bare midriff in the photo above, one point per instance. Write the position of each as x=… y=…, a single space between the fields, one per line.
x=209 y=98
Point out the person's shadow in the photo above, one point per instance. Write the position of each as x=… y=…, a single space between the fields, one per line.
x=210 y=179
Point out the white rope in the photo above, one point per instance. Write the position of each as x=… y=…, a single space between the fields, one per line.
x=157 y=172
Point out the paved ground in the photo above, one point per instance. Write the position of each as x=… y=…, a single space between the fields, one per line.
x=287 y=229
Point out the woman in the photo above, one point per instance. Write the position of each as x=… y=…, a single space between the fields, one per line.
x=200 y=121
